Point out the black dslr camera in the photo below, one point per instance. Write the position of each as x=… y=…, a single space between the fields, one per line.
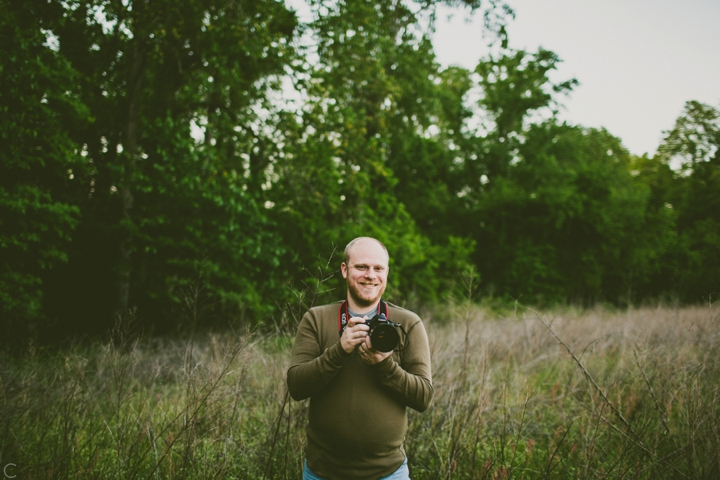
x=383 y=333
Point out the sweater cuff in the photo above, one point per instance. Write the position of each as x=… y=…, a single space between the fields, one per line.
x=336 y=354
x=385 y=367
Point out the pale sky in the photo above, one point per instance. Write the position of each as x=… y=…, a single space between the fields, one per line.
x=637 y=61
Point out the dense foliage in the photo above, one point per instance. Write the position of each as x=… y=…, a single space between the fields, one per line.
x=193 y=160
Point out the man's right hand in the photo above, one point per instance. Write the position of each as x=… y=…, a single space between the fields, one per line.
x=354 y=334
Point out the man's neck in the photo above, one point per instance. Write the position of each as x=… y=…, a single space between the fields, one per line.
x=361 y=309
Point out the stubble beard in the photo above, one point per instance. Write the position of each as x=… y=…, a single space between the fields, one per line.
x=364 y=300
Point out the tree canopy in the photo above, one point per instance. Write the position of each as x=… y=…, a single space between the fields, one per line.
x=198 y=161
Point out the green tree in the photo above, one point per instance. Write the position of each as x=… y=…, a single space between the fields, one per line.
x=169 y=164
x=355 y=154
x=38 y=160
x=554 y=210
x=512 y=87
x=163 y=207
x=694 y=144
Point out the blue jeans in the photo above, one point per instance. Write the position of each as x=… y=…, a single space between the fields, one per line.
x=402 y=473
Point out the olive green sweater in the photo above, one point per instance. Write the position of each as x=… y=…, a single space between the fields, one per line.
x=357 y=420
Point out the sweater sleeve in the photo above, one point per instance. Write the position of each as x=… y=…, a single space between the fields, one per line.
x=412 y=378
x=310 y=369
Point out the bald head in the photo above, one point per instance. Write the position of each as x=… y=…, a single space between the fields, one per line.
x=361 y=240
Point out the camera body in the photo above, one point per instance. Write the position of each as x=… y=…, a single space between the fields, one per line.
x=383 y=333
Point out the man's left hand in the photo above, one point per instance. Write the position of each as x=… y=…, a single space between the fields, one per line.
x=369 y=355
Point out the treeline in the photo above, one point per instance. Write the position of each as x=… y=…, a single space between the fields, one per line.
x=199 y=160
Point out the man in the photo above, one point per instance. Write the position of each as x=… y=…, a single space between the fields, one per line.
x=358 y=395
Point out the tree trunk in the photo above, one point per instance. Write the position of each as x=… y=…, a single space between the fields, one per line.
x=122 y=293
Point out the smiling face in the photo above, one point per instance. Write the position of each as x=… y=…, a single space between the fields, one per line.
x=365 y=271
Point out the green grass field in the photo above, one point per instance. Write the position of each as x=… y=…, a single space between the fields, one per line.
x=562 y=394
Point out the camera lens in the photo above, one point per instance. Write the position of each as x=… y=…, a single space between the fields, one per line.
x=384 y=338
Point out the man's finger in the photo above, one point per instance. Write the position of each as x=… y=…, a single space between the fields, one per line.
x=356 y=321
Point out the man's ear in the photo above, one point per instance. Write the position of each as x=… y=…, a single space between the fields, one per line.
x=343 y=270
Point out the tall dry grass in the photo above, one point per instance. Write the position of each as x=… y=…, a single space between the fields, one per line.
x=566 y=394
x=562 y=394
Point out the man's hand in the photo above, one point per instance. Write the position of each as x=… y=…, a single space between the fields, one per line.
x=369 y=355
x=354 y=334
